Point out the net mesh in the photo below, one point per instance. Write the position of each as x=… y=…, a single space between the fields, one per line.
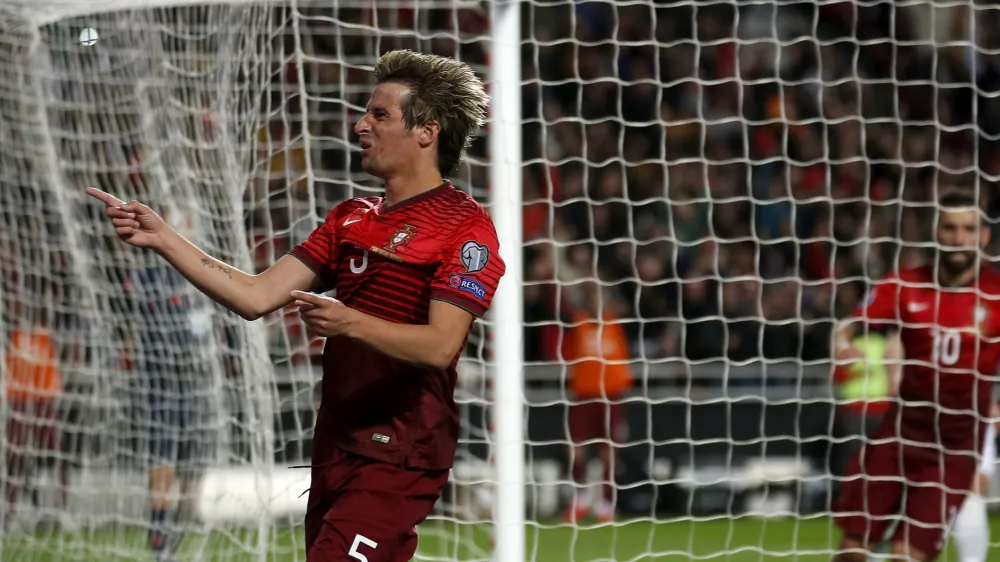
x=719 y=182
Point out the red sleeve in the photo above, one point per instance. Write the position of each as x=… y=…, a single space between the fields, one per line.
x=319 y=251
x=881 y=305
x=471 y=269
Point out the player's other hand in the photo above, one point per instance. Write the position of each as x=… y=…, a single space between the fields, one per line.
x=134 y=222
x=323 y=316
x=847 y=354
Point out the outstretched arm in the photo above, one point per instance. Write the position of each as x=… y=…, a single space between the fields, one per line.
x=250 y=296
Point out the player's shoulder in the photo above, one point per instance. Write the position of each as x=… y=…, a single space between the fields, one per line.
x=348 y=206
x=457 y=217
x=455 y=202
x=464 y=209
x=989 y=280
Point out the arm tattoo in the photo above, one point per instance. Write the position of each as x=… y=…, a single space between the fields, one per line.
x=211 y=265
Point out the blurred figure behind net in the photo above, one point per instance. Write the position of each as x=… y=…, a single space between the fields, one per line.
x=865 y=391
x=596 y=351
x=32 y=388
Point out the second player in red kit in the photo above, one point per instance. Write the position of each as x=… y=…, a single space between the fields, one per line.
x=922 y=459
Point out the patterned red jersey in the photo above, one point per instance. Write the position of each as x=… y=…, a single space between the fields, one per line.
x=390 y=263
x=950 y=338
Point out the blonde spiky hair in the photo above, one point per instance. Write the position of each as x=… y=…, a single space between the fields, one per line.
x=443 y=90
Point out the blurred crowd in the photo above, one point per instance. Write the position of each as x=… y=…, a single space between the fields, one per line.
x=734 y=178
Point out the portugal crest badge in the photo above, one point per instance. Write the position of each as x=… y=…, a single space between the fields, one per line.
x=401 y=237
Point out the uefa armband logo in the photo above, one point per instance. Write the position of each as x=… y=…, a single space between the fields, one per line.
x=474 y=256
x=467 y=285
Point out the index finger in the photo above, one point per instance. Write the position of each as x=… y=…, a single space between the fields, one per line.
x=104 y=196
x=307 y=297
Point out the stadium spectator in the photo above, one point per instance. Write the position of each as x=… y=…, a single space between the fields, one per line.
x=793 y=161
x=32 y=388
x=597 y=353
x=170 y=394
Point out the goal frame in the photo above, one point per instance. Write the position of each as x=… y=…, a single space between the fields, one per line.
x=508 y=351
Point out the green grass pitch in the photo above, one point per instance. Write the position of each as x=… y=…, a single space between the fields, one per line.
x=732 y=540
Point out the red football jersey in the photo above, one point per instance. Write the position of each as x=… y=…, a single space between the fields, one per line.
x=390 y=263
x=950 y=338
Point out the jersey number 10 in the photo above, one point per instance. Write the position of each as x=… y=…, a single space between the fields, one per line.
x=947 y=346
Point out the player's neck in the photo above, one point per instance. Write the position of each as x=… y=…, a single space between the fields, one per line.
x=403 y=187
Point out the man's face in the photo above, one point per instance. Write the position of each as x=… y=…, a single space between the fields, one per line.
x=960 y=238
x=387 y=145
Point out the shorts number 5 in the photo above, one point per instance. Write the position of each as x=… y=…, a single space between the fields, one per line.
x=361 y=540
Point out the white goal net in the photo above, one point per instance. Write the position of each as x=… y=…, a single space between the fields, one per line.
x=718 y=182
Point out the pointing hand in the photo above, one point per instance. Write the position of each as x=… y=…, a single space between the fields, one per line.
x=134 y=222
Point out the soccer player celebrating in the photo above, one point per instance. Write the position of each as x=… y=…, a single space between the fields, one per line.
x=922 y=459
x=411 y=269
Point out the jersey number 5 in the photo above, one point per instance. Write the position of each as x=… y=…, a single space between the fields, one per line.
x=358 y=269
x=947 y=346
x=358 y=541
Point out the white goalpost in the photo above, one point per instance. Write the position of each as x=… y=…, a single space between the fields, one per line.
x=508 y=382
x=688 y=195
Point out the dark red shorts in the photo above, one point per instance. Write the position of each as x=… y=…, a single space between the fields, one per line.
x=363 y=509
x=32 y=425
x=597 y=419
x=886 y=479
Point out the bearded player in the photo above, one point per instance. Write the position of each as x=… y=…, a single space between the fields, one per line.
x=922 y=460
x=412 y=270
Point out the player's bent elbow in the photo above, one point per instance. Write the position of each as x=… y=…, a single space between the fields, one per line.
x=438 y=363
x=442 y=356
x=257 y=301
x=244 y=309
x=249 y=306
x=256 y=308
x=249 y=315
x=433 y=357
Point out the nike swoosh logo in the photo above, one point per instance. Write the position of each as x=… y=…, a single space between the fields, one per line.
x=918 y=307
x=349 y=222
